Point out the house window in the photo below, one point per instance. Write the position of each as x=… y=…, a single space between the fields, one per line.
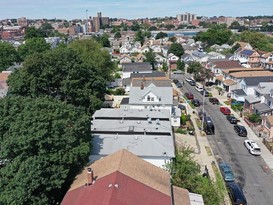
x=148 y=98
x=152 y=99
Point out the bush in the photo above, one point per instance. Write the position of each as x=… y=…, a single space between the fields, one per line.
x=120 y=91
x=255 y=118
x=183 y=119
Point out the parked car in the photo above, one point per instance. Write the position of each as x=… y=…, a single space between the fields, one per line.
x=179 y=85
x=232 y=119
x=195 y=102
x=225 y=110
x=181 y=107
x=236 y=194
x=206 y=93
x=208 y=125
x=175 y=81
x=188 y=79
x=214 y=100
x=209 y=83
x=192 y=83
x=199 y=87
x=189 y=96
x=240 y=130
x=252 y=147
x=226 y=172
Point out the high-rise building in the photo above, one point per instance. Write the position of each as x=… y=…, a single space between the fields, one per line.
x=186 y=17
x=100 y=21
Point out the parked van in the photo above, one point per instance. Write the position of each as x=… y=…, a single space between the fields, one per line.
x=236 y=194
x=208 y=126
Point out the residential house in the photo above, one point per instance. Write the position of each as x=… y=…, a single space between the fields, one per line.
x=165 y=50
x=189 y=49
x=267 y=60
x=215 y=55
x=160 y=59
x=249 y=57
x=125 y=59
x=247 y=83
x=201 y=57
x=171 y=61
x=156 y=48
x=243 y=45
x=146 y=133
x=129 y=68
x=187 y=58
x=115 y=46
x=123 y=178
x=144 y=49
x=139 y=58
x=221 y=48
x=216 y=66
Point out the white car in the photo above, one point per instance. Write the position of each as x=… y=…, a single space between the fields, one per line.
x=188 y=79
x=252 y=147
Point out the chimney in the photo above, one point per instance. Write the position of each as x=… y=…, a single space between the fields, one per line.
x=142 y=85
x=90 y=176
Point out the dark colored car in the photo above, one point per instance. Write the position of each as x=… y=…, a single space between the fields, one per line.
x=189 y=96
x=225 y=110
x=192 y=83
x=205 y=93
x=195 y=102
x=181 y=107
x=232 y=119
x=214 y=100
x=175 y=81
x=236 y=194
x=209 y=83
x=179 y=85
x=226 y=172
x=240 y=130
x=208 y=126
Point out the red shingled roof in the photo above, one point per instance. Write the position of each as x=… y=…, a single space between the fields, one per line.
x=116 y=189
x=227 y=64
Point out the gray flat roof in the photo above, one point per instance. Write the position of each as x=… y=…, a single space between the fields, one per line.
x=140 y=145
x=132 y=126
x=239 y=92
x=262 y=107
x=252 y=99
x=133 y=113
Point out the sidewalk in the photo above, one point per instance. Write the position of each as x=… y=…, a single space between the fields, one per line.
x=265 y=153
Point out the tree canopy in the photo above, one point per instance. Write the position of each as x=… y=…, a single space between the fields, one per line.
x=32 y=45
x=161 y=35
x=150 y=57
x=8 y=55
x=176 y=49
x=46 y=142
x=77 y=75
x=217 y=34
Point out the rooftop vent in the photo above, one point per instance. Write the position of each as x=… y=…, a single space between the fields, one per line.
x=90 y=176
x=157 y=121
x=149 y=120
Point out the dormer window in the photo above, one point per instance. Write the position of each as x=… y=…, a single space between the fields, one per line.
x=152 y=99
x=148 y=98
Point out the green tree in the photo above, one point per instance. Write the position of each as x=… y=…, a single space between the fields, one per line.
x=235 y=47
x=135 y=26
x=235 y=25
x=176 y=49
x=194 y=68
x=117 y=35
x=150 y=57
x=46 y=143
x=8 y=55
x=31 y=46
x=164 y=66
x=139 y=37
x=103 y=40
x=217 y=34
x=180 y=65
x=161 y=35
x=120 y=91
x=32 y=32
x=258 y=40
x=169 y=26
x=47 y=29
x=152 y=28
x=64 y=74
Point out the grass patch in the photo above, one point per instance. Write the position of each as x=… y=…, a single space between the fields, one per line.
x=181 y=131
x=199 y=123
x=220 y=184
x=208 y=151
x=227 y=102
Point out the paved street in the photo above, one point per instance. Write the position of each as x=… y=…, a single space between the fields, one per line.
x=250 y=171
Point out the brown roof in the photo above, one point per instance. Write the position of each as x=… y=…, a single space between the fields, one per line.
x=132 y=166
x=181 y=196
x=231 y=70
x=224 y=64
x=251 y=74
x=229 y=82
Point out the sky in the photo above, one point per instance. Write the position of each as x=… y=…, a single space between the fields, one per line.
x=131 y=9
